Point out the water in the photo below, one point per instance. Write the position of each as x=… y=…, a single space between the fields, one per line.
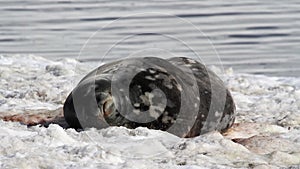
x=260 y=37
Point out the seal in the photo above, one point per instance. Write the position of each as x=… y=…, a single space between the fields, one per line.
x=179 y=95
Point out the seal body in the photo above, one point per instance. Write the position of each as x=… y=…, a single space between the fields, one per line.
x=178 y=95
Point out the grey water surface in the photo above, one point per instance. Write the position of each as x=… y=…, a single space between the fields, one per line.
x=252 y=36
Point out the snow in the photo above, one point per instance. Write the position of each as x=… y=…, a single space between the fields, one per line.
x=266 y=133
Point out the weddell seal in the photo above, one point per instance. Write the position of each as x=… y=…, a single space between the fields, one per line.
x=179 y=95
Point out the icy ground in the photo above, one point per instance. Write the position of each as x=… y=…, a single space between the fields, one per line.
x=266 y=133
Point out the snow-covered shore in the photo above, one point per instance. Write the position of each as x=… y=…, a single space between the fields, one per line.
x=266 y=133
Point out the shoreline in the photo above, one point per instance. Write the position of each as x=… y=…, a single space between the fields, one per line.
x=266 y=133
